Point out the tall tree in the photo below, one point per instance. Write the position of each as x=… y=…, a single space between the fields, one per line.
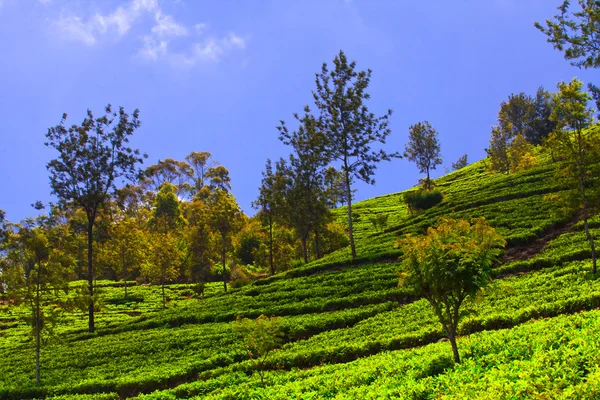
x=580 y=147
x=166 y=244
x=423 y=148
x=304 y=191
x=452 y=262
x=270 y=203
x=350 y=128
x=225 y=219
x=177 y=173
x=93 y=158
x=200 y=162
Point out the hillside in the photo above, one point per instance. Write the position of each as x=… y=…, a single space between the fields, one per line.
x=350 y=332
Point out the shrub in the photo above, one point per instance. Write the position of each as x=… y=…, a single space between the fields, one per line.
x=422 y=200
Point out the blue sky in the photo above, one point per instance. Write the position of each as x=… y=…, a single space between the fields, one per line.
x=217 y=76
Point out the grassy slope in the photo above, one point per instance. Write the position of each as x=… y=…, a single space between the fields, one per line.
x=332 y=316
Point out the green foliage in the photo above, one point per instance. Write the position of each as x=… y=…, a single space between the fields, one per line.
x=93 y=157
x=460 y=163
x=451 y=262
x=579 y=146
x=575 y=33
x=349 y=128
x=423 y=148
x=379 y=221
x=260 y=337
x=422 y=199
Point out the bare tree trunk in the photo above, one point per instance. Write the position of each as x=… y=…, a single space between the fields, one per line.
x=581 y=172
x=350 y=229
x=124 y=269
x=317 y=247
x=304 y=249
x=90 y=276
x=271 y=247
x=224 y=268
x=585 y=221
x=37 y=330
x=162 y=285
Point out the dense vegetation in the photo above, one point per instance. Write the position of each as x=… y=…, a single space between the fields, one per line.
x=163 y=288
x=331 y=316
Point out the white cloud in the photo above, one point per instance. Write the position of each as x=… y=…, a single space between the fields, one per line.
x=166 y=26
x=118 y=22
x=45 y=1
x=153 y=49
x=74 y=28
x=156 y=41
x=200 y=28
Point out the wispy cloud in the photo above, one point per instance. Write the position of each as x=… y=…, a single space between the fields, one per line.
x=156 y=41
x=119 y=22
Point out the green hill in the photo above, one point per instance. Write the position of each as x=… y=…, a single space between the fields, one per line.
x=350 y=332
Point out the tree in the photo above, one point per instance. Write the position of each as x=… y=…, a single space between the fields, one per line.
x=579 y=146
x=164 y=256
x=270 y=203
x=166 y=248
x=93 y=157
x=127 y=249
x=423 y=148
x=166 y=214
x=349 y=127
x=450 y=263
x=498 y=150
x=576 y=33
x=260 y=337
x=39 y=271
x=303 y=179
x=460 y=163
x=540 y=125
x=199 y=161
x=225 y=219
x=177 y=173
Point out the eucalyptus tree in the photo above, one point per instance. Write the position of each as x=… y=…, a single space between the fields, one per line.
x=93 y=158
x=349 y=127
x=224 y=218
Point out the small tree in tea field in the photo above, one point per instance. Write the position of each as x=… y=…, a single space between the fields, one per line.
x=260 y=337
x=450 y=263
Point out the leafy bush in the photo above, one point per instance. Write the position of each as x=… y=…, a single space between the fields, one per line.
x=422 y=200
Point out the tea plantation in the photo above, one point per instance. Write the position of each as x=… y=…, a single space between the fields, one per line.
x=349 y=330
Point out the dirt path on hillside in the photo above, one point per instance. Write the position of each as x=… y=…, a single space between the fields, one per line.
x=526 y=251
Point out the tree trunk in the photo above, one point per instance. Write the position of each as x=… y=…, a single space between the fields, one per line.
x=452 y=338
x=350 y=230
x=162 y=285
x=124 y=269
x=271 y=247
x=317 y=247
x=224 y=268
x=37 y=330
x=428 y=180
x=304 y=249
x=585 y=221
x=90 y=276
